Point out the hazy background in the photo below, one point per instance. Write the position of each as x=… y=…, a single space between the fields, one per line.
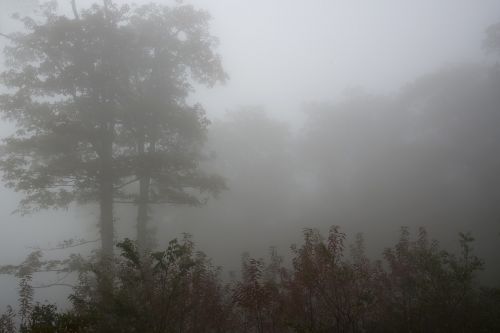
x=369 y=115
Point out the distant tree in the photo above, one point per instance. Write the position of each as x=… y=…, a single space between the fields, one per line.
x=374 y=157
x=10 y=7
x=99 y=102
x=253 y=151
x=492 y=40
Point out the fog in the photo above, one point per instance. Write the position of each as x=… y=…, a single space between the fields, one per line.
x=367 y=115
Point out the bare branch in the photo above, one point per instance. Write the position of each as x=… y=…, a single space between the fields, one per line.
x=6 y=36
x=127 y=183
x=50 y=271
x=54 y=285
x=66 y=245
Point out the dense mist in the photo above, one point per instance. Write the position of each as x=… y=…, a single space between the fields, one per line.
x=281 y=116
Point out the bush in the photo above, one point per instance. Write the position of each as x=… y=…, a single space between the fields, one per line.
x=418 y=287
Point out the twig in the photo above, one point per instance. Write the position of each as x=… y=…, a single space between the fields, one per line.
x=65 y=246
x=6 y=36
x=126 y=183
x=124 y=202
x=54 y=285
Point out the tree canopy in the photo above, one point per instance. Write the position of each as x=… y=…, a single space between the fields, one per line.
x=100 y=102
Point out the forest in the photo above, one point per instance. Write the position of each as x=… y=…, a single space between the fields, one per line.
x=373 y=211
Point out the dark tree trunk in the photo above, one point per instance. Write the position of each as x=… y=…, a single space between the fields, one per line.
x=106 y=216
x=143 y=241
x=106 y=192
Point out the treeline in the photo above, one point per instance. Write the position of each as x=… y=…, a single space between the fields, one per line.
x=326 y=287
x=423 y=155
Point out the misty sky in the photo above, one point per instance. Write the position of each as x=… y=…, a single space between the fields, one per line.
x=281 y=53
x=284 y=52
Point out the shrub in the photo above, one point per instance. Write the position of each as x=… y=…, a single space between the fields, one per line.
x=417 y=288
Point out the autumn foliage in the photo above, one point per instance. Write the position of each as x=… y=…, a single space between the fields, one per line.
x=325 y=286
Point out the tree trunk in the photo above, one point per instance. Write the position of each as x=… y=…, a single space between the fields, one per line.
x=143 y=241
x=106 y=216
x=106 y=200
x=106 y=194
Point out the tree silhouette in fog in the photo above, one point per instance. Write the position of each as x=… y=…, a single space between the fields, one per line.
x=99 y=103
x=424 y=154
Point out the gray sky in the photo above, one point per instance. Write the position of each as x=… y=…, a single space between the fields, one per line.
x=281 y=53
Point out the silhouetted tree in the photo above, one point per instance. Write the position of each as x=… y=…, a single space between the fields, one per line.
x=99 y=101
x=427 y=151
x=174 y=50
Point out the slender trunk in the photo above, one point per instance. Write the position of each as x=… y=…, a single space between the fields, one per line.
x=142 y=213
x=106 y=201
x=106 y=219
x=143 y=241
x=106 y=191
